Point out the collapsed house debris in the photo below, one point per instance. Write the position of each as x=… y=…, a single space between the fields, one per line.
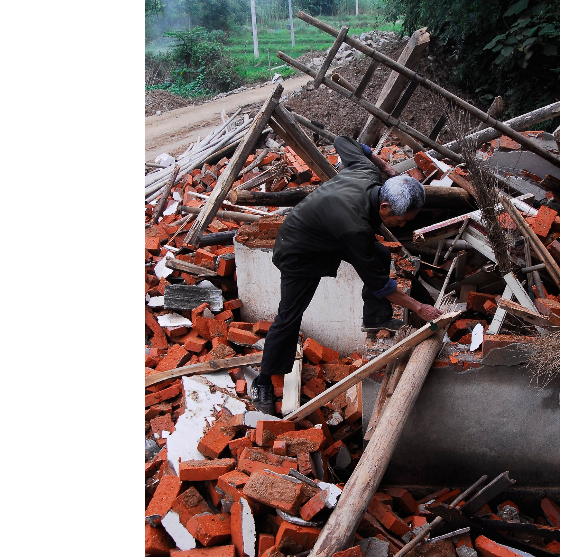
x=223 y=479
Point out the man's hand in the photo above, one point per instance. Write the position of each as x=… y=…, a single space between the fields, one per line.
x=428 y=312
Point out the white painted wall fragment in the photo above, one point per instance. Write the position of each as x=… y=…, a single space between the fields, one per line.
x=183 y=539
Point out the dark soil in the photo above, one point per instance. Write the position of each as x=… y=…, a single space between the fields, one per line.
x=158 y=100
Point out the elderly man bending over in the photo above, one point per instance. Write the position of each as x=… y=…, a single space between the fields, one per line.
x=336 y=222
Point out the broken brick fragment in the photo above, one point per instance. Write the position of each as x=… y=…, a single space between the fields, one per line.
x=388 y=518
x=215 y=441
x=278 y=382
x=336 y=372
x=268 y=430
x=202 y=470
x=219 y=551
x=252 y=460
x=403 y=499
x=265 y=541
x=551 y=511
x=159 y=425
x=293 y=539
x=488 y=548
x=355 y=551
x=165 y=394
x=308 y=440
x=188 y=504
x=314 y=506
x=240 y=336
x=543 y=221
x=313 y=387
x=157 y=541
x=232 y=483
x=476 y=300
x=167 y=490
x=210 y=529
x=500 y=341
x=275 y=491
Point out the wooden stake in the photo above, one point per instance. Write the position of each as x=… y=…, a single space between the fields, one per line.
x=288 y=197
x=377 y=363
x=162 y=202
x=232 y=169
x=204 y=367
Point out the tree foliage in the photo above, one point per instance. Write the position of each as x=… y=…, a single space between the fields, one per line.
x=508 y=48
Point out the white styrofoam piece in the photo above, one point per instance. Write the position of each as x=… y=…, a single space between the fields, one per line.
x=200 y=403
x=221 y=379
x=160 y=269
x=183 y=539
x=333 y=493
x=171 y=209
x=476 y=337
x=173 y=320
x=156 y=302
x=248 y=529
x=252 y=417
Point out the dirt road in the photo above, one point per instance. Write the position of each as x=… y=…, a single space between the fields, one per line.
x=171 y=132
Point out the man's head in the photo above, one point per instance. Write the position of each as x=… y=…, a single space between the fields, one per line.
x=400 y=199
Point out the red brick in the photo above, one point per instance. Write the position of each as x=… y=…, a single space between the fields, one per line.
x=280 y=448
x=488 y=548
x=543 y=221
x=265 y=541
x=351 y=552
x=268 y=430
x=353 y=411
x=314 y=387
x=383 y=498
x=219 y=551
x=546 y=306
x=500 y=341
x=275 y=491
x=253 y=460
x=240 y=387
x=551 y=511
x=278 y=382
x=508 y=143
x=403 y=498
x=336 y=372
x=308 y=440
x=239 y=336
x=261 y=327
x=217 y=328
x=553 y=546
x=475 y=301
x=418 y=521
x=237 y=445
x=157 y=541
x=165 y=394
x=305 y=463
x=461 y=327
x=333 y=449
x=210 y=529
x=237 y=535
x=388 y=518
x=188 y=504
x=295 y=539
x=215 y=441
x=464 y=540
x=313 y=506
x=232 y=304
x=160 y=424
x=202 y=470
x=425 y=163
x=490 y=307
x=313 y=350
x=231 y=484
x=167 y=490
x=174 y=358
x=156 y=409
x=159 y=338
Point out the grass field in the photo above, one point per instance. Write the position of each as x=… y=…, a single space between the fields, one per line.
x=307 y=38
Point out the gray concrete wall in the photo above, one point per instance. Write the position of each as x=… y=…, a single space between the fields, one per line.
x=484 y=421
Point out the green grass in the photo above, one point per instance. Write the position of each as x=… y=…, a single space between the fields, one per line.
x=307 y=38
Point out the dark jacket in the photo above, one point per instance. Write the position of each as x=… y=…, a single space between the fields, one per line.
x=336 y=222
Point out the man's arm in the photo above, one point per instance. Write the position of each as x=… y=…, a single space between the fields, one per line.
x=424 y=311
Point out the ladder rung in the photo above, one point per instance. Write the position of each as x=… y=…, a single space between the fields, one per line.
x=330 y=56
x=438 y=127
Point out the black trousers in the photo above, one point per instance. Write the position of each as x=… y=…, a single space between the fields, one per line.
x=296 y=295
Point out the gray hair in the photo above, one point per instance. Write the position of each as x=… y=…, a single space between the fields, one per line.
x=403 y=193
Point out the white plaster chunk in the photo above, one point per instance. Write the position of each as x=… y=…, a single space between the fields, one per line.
x=444 y=182
x=171 y=209
x=248 y=529
x=183 y=539
x=333 y=493
x=165 y=434
x=252 y=417
x=220 y=378
x=160 y=269
x=476 y=337
x=235 y=406
x=173 y=320
x=176 y=196
x=335 y=419
x=156 y=301
x=200 y=403
x=165 y=159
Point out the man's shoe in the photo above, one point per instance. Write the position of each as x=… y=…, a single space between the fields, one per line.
x=262 y=397
x=390 y=325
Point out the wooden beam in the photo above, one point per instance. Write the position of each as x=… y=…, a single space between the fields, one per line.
x=373 y=365
x=205 y=367
x=529 y=316
x=179 y=265
x=395 y=84
x=329 y=136
x=483 y=116
x=229 y=215
x=303 y=146
x=288 y=197
x=232 y=169
x=338 y=532
x=366 y=79
x=330 y=56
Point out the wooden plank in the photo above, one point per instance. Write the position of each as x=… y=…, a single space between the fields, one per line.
x=377 y=363
x=313 y=127
x=483 y=116
x=288 y=197
x=395 y=84
x=204 y=367
x=366 y=79
x=303 y=146
x=180 y=265
x=292 y=385
x=182 y=296
x=527 y=315
x=164 y=196
x=462 y=182
x=232 y=169
x=330 y=56
x=522 y=296
x=229 y=215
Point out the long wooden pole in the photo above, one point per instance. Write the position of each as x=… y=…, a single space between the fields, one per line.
x=483 y=116
x=338 y=532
